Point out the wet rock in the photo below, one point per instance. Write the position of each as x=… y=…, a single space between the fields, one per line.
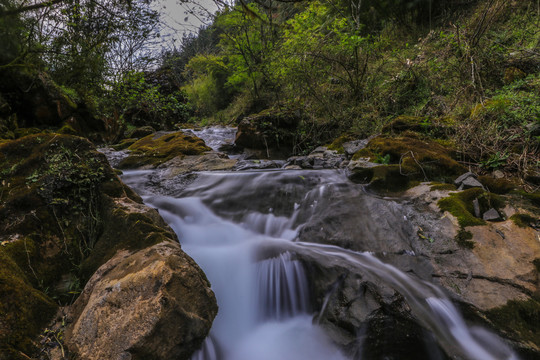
x=258 y=164
x=152 y=303
x=491 y=215
x=207 y=162
x=320 y=158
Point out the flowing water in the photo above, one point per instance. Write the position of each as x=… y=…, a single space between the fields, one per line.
x=242 y=228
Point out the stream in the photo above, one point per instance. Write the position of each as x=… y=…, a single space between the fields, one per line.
x=247 y=231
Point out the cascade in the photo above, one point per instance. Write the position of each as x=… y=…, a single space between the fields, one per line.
x=242 y=228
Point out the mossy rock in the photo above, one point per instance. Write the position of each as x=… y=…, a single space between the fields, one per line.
x=419 y=160
x=518 y=317
x=523 y=220
x=423 y=125
x=337 y=144
x=154 y=150
x=460 y=204
x=124 y=144
x=52 y=188
x=497 y=186
x=383 y=178
x=22 y=132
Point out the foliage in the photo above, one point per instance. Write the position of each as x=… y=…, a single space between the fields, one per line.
x=140 y=102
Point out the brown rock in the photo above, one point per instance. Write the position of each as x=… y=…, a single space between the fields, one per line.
x=154 y=303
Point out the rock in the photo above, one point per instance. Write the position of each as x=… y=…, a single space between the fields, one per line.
x=207 y=162
x=498 y=174
x=463 y=177
x=491 y=215
x=270 y=131
x=470 y=183
x=352 y=147
x=63 y=214
x=153 y=303
x=158 y=148
x=476 y=208
x=320 y=158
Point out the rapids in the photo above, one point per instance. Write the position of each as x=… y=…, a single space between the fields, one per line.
x=244 y=229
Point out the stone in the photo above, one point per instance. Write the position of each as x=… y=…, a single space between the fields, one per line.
x=463 y=177
x=352 y=147
x=476 y=207
x=469 y=183
x=154 y=303
x=492 y=215
x=498 y=174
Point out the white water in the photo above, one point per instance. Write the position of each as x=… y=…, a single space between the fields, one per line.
x=235 y=224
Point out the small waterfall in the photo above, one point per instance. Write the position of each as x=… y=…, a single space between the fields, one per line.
x=238 y=227
x=283 y=290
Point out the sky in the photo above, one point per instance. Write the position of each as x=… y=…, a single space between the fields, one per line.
x=179 y=17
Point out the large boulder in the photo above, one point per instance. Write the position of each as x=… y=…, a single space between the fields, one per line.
x=271 y=132
x=63 y=214
x=142 y=305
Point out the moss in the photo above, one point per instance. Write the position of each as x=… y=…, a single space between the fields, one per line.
x=523 y=220
x=67 y=130
x=23 y=309
x=408 y=125
x=123 y=230
x=519 y=318
x=22 y=132
x=154 y=150
x=420 y=159
x=442 y=186
x=464 y=239
x=497 y=186
x=461 y=206
x=337 y=144
x=124 y=144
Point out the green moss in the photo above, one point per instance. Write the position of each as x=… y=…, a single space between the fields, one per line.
x=442 y=186
x=154 y=150
x=519 y=318
x=420 y=159
x=407 y=125
x=23 y=309
x=460 y=205
x=464 y=239
x=497 y=186
x=337 y=144
x=124 y=144
x=523 y=220
x=67 y=130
